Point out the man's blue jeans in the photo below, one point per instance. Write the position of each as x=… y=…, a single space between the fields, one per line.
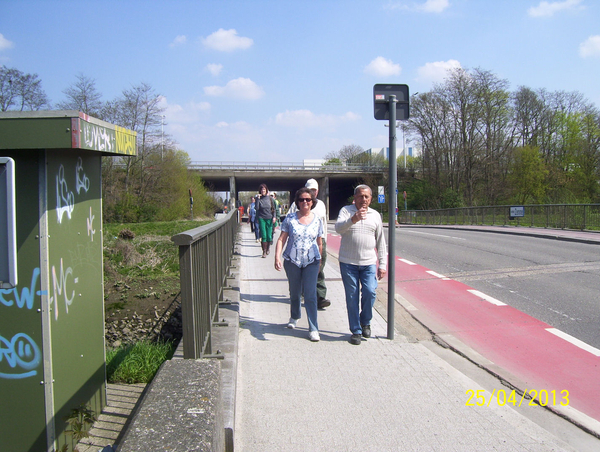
x=298 y=278
x=359 y=282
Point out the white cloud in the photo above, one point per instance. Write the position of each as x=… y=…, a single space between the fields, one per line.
x=226 y=41
x=5 y=43
x=436 y=72
x=590 y=47
x=303 y=119
x=430 y=6
x=178 y=41
x=240 y=88
x=191 y=112
x=214 y=69
x=550 y=8
x=381 y=67
x=434 y=6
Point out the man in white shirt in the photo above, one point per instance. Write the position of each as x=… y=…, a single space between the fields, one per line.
x=362 y=247
x=320 y=211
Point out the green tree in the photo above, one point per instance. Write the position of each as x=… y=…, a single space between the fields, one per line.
x=528 y=175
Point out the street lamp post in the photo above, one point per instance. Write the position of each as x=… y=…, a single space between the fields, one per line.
x=162 y=150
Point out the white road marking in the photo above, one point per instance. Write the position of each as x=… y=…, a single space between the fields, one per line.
x=407 y=262
x=486 y=297
x=437 y=275
x=436 y=235
x=573 y=340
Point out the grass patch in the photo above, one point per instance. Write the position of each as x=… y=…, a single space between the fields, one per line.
x=151 y=253
x=137 y=363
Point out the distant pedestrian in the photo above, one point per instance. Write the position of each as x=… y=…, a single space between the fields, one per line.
x=362 y=246
x=321 y=211
x=277 y=209
x=301 y=233
x=252 y=214
x=265 y=212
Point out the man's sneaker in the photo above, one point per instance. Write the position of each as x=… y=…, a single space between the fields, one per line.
x=314 y=336
x=355 y=339
x=292 y=323
x=323 y=303
x=366 y=331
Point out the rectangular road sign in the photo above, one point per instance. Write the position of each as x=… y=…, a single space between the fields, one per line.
x=381 y=199
x=381 y=97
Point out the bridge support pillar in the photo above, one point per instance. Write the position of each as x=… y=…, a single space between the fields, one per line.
x=325 y=193
x=232 y=193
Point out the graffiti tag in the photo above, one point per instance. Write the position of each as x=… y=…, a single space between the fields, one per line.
x=65 y=199
x=20 y=352
x=81 y=180
x=11 y=297
x=59 y=284
x=90 y=225
x=97 y=137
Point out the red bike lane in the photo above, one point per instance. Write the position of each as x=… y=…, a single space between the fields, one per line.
x=535 y=356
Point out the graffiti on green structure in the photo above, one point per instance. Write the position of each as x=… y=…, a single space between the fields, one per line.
x=65 y=199
x=97 y=137
x=20 y=355
x=81 y=180
x=125 y=141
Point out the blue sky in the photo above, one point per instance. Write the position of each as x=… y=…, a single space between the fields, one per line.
x=283 y=81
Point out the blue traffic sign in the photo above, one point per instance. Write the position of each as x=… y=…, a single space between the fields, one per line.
x=380 y=199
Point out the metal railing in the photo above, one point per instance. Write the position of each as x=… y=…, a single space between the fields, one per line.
x=284 y=166
x=204 y=257
x=556 y=216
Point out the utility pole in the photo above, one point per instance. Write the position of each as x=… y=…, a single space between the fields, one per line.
x=162 y=151
x=388 y=101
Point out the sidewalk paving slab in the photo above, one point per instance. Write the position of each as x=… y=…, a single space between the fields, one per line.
x=296 y=395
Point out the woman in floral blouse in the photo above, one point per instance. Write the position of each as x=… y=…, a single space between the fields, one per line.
x=301 y=259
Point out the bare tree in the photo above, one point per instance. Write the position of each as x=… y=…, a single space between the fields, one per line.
x=346 y=152
x=20 y=91
x=83 y=96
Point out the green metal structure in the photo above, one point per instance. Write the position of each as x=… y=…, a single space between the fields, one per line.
x=52 y=356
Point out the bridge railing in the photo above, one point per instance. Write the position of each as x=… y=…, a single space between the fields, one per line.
x=204 y=257
x=283 y=166
x=557 y=216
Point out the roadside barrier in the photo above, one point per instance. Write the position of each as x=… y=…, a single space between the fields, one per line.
x=204 y=257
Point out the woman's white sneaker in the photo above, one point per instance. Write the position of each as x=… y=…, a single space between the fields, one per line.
x=314 y=336
x=292 y=323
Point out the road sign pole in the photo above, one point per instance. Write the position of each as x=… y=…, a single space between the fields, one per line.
x=392 y=220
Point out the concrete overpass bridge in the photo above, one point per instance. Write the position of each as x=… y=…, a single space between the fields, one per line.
x=336 y=182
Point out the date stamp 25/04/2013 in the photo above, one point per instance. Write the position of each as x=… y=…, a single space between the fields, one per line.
x=532 y=397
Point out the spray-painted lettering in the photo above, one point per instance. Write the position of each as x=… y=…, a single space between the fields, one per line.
x=97 y=137
x=59 y=284
x=11 y=297
x=20 y=353
x=84 y=254
x=90 y=225
x=125 y=141
x=81 y=180
x=65 y=199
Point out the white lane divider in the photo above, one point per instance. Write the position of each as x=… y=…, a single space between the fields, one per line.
x=437 y=275
x=573 y=340
x=407 y=261
x=486 y=297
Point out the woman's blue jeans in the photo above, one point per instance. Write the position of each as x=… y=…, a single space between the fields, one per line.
x=299 y=278
x=360 y=281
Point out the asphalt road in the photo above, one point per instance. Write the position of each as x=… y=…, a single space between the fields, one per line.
x=557 y=282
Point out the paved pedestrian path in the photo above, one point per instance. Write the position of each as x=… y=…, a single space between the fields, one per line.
x=382 y=395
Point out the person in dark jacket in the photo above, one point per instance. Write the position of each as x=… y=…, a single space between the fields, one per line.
x=265 y=212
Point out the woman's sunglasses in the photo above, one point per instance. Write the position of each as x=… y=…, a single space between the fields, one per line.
x=304 y=200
